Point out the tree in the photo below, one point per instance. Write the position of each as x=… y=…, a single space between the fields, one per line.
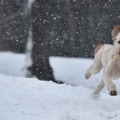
x=53 y=22
x=41 y=27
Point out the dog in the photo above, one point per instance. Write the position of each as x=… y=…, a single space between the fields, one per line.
x=107 y=57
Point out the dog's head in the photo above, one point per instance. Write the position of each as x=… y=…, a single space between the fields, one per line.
x=117 y=40
x=116 y=35
x=115 y=32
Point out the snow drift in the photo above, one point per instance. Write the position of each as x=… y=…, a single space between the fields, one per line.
x=28 y=98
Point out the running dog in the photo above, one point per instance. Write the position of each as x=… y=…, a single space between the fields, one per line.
x=107 y=57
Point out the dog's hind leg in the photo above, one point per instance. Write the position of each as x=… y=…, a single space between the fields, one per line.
x=109 y=73
x=95 y=67
x=99 y=87
x=96 y=93
x=109 y=84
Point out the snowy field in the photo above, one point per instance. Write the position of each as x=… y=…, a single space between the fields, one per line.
x=30 y=99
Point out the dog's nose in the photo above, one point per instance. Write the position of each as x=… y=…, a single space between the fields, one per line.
x=119 y=42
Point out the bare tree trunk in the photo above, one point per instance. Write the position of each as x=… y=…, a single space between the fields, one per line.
x=69 y=29
x=41 y=37
x=44 y=30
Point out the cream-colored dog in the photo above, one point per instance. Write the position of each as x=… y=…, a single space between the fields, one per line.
x=107 y=57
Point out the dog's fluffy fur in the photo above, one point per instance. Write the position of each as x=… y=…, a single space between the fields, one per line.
x=97 y=48
x=107 y=57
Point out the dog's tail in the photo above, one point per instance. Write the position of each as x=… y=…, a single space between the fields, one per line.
x=97 y=48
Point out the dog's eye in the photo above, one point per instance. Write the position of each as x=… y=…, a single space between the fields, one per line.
x=119 y=42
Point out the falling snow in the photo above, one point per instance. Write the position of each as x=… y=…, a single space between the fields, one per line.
x=69 y=28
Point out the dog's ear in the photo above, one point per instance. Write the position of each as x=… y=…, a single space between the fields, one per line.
x=115 y=31
x=97 y=48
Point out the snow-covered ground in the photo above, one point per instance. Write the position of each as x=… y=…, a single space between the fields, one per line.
x=30 y=99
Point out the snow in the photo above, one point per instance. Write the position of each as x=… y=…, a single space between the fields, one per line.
x=30 y=2
x=30 y=99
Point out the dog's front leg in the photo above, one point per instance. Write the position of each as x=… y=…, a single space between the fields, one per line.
x=88 y=72
x=95 y=67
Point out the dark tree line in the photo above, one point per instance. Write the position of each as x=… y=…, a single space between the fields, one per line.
x=69 y=28
x=13 y=25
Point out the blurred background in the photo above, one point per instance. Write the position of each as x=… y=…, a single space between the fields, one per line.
x=68 y=28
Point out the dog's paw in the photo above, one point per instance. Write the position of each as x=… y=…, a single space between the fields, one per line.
x=87 y=75
x=95 y=95
x=113 y=92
